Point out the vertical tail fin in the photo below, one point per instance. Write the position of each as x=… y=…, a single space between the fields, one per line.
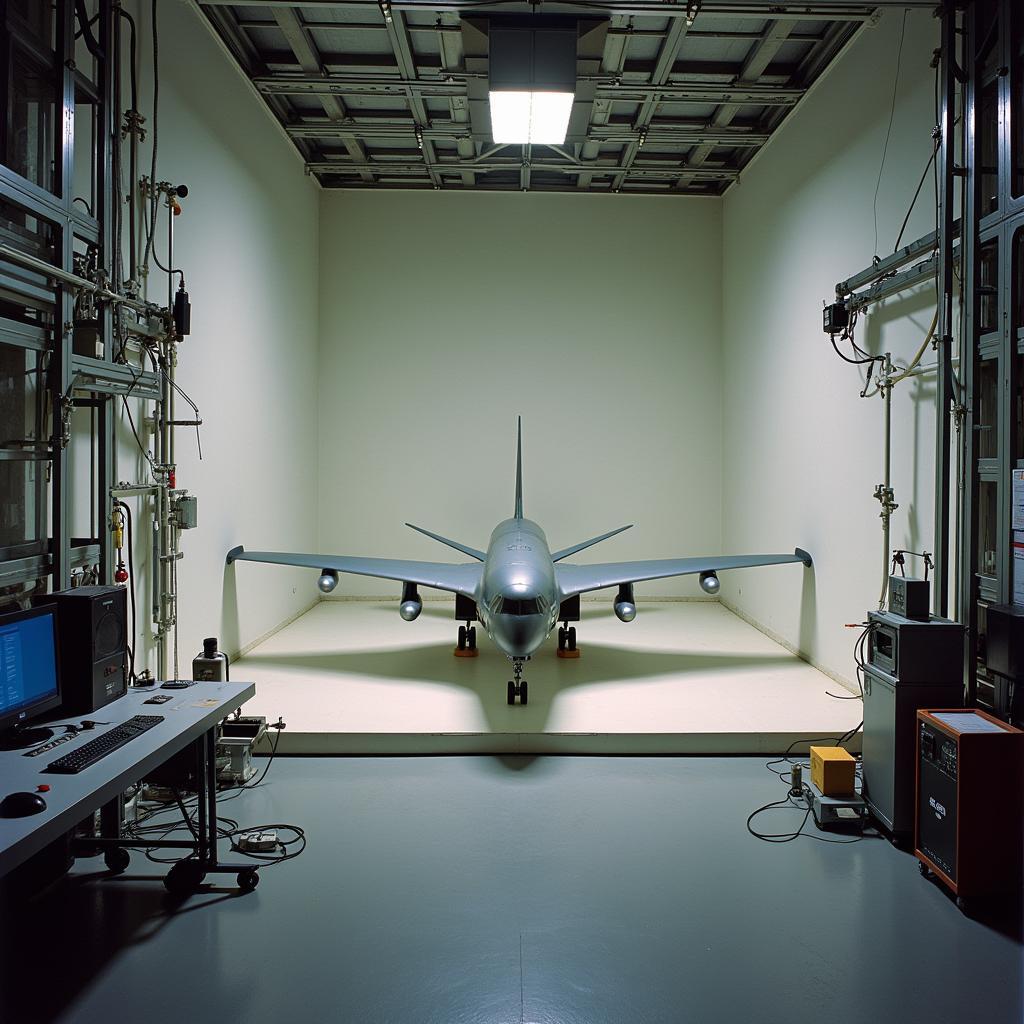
x=519 y=469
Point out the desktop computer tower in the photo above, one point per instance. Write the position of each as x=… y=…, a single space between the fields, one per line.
x=92 y=626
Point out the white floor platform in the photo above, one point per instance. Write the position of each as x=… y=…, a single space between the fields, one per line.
x=686 y=677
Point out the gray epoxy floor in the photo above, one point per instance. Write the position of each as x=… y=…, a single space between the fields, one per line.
x=493 y=890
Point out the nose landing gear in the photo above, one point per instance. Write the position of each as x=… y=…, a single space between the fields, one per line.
x=517 y=686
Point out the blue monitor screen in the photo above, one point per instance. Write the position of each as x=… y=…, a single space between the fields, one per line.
x=28 y=664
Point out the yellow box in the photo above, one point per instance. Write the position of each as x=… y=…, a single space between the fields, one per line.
x=833 y=770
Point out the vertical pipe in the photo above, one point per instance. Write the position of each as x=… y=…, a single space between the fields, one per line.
x=887 y=506
x=132 y=199
x=944 y=380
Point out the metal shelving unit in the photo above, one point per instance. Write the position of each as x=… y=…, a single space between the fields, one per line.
x=993 y=378
x=75 y=331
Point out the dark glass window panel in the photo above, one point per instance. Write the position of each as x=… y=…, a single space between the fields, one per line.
x=38 y=17
x=988 y=148
x=988 y=529
x=84 y=174
x=988 y=409
x=85 y=62
x=23 y=432
x=22 y=392
x=1017 y=101
x=988 y=288
x=986 y=20
x=1018 y=408
x=1017 y=282
x=31 y=122
x=25 y=231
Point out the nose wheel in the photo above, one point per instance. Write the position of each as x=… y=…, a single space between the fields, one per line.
x=517 y=686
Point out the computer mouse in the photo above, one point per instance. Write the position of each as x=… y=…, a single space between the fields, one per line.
x=21 y=805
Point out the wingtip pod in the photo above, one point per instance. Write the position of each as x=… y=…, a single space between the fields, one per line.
x=804 y=556
x=234 y=553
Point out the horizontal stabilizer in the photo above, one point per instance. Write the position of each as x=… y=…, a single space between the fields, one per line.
x=583 y=545
x=465 y=549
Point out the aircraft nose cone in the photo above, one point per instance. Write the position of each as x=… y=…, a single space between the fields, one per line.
x=525 y=636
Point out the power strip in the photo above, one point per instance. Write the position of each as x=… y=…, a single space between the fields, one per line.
x=258 y=842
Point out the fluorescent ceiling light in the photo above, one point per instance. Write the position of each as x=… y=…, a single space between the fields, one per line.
x=540 y=118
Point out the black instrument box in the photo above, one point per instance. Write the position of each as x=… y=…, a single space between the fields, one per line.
x=92 y=627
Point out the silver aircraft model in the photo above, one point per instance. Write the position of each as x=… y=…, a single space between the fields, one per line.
x=518 y=588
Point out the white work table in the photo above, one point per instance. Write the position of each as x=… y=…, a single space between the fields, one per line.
x=190 y=714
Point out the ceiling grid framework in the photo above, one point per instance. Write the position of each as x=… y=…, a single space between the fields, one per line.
x=672 y=97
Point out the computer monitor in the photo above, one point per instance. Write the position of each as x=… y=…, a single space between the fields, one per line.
x=29 y=674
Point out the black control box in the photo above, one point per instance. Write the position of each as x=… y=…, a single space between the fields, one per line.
x=835 y=318
x=909 y=597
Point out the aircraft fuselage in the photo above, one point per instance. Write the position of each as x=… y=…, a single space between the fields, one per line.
x=518 y=597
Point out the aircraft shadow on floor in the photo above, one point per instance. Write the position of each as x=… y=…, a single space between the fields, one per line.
x=547 y=674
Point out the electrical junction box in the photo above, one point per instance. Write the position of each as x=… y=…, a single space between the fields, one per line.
x=186 y=512
x=835 y=318
x=833 y=771
x=909 y=597
x=914 y=651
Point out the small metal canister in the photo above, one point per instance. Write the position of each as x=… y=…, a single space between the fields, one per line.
x=210 y=664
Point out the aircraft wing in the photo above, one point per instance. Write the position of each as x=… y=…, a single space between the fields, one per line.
x=577 y=579
x=459 y=579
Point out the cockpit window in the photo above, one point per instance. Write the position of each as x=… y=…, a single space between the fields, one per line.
x=522 y=606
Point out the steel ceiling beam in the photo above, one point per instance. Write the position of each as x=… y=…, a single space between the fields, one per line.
x=401 y=46
x=814 y=10
x=449 y=42
x=761 y=54
x=456 y=83
x=405 y=167
x=302 y=46
x=659 y=76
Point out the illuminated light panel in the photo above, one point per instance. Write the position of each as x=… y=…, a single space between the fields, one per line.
x=520 y=118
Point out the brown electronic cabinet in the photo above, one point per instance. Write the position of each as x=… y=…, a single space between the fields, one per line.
x=970 y=777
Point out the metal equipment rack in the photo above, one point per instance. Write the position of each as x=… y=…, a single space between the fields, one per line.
x=64 y=302
x=993 y=375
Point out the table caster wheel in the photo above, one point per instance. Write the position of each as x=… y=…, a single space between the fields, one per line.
x=117 y=860
x=248 y=880
x=184 y=878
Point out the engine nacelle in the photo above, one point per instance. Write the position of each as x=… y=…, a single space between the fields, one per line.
x=710 y=583
x=412 y=603
x=625 y=606
x=328 y=581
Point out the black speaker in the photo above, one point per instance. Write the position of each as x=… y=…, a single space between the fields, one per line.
x=92 y=623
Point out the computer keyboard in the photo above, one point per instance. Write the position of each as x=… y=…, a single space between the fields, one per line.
x=95 y=750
